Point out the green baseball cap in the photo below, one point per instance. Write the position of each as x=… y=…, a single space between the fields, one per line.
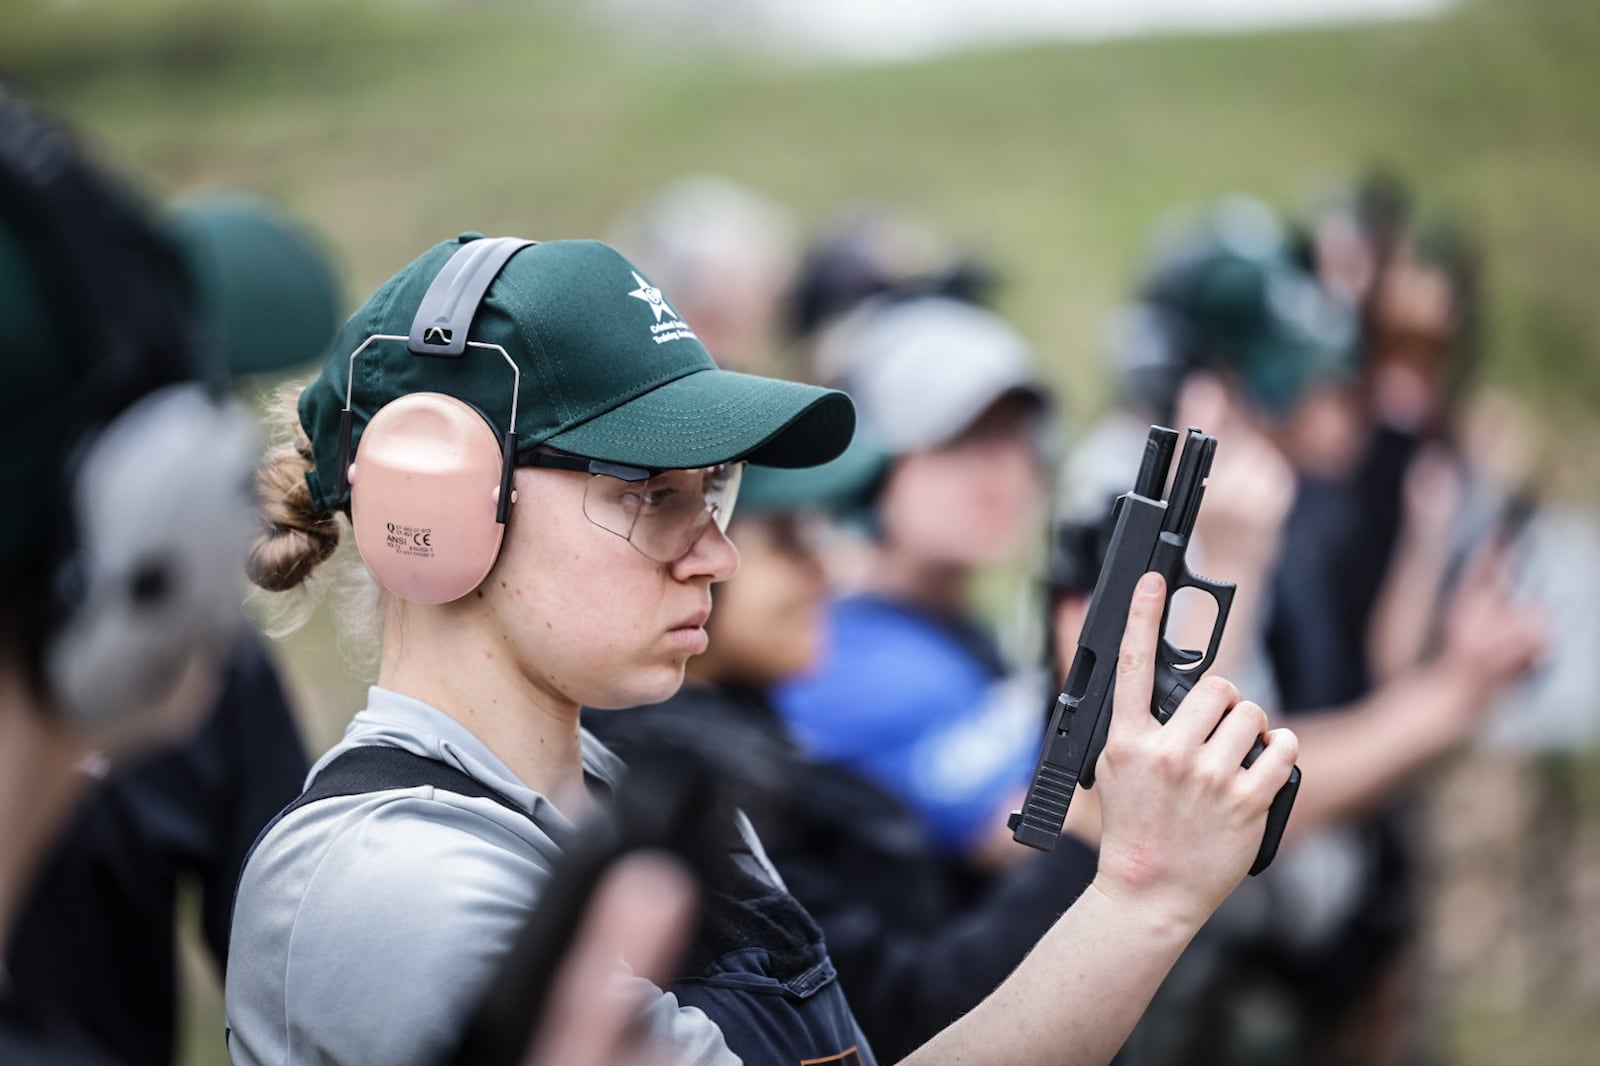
x=608 y=370
x=267 y=291
x=264 y=290
x=1273 y=325
x=1224 y=291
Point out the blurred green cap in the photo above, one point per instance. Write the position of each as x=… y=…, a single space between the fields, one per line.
x=261 y=297
x=266 y=290
x=1226 y=292
x=839 y=486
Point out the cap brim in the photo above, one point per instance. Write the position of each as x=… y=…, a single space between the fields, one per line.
x=268 y=294
x=840 y=483
x=917 y=430
x=717 y=416
x=1287 y=364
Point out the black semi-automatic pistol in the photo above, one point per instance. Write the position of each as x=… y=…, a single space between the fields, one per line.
x=1148 y=533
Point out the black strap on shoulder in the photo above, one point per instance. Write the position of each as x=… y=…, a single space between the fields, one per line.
x=380 y=768
x=375 y=768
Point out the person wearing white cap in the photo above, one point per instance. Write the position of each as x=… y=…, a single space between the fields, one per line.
x=911 y=690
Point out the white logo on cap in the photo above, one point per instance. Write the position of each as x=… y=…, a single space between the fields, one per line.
x=652 y=296
x=674 y=328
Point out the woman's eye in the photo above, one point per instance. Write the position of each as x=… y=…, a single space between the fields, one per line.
x=656 y=498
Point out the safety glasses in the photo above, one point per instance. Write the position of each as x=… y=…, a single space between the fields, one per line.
x=660 y=512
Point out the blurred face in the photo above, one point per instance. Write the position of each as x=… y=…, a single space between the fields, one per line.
x=169 y=719
x=1414 y=309
x=1327 y=430
x=975 y=500
x=584 y=614
x=768 y=623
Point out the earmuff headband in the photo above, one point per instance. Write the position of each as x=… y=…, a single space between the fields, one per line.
x=444 y=317
x=440 y=328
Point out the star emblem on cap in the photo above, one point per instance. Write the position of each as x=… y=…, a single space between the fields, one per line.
x=652 y=296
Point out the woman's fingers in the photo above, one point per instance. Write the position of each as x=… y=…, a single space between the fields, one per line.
x=1274 y=765
x=1235 y=735
x=1183 y=820
x=1130 y=705
x=1205 y=705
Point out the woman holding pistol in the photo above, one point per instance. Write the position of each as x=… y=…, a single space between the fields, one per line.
x=545 y=508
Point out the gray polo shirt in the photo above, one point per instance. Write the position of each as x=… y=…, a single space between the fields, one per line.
x=367 y=927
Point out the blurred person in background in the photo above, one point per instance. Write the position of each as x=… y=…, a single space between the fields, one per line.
x=1355 y=442
x=126 y=467
x=727 y=254
x=913 y=953
x=370 y=917
x=96 y=938
x=1230 y=334
x=911 y=689
x=1450 y=473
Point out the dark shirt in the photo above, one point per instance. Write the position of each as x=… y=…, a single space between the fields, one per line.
x=1337 y=547
x=96 y=941
x=27 y=1038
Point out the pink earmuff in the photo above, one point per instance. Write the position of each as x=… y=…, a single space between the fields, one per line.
x=423 y=492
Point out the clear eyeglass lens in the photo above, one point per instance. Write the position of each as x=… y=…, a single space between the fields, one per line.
x=663 y=517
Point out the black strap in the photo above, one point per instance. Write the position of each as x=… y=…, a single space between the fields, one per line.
x=375 y=768
x=380 y=768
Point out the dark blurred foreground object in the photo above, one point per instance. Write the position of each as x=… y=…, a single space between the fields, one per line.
x=97 y=940
x=121 y=333
x=672 y=801
x=126 y=466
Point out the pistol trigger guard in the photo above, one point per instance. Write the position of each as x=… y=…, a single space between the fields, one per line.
x=1217 y=590
x=1222 y=593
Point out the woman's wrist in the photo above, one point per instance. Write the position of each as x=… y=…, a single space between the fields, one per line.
x=1158 y=914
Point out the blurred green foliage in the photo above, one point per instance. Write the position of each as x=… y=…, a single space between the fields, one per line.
x=393 y=124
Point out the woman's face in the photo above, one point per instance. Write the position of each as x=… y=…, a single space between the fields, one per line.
x=975 y=500
x=768 y=624
x=582 y=612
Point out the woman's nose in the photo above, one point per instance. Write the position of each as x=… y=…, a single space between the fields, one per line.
x=712 y=555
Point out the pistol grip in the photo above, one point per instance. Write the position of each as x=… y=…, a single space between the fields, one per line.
x=1277 y=814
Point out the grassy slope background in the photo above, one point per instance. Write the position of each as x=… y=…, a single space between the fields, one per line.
x=392 y=125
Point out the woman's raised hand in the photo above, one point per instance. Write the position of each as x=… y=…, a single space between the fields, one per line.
x=1183 y=819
